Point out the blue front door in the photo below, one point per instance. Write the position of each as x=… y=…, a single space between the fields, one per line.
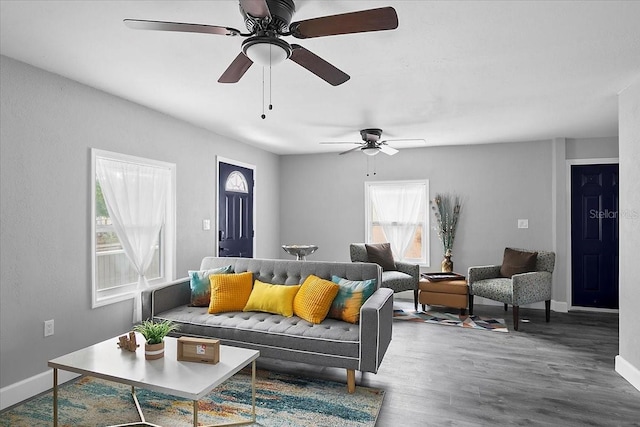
x=235 y=211
x=594 y=235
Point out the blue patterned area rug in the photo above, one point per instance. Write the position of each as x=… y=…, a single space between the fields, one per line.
x=449 y=319
x=281 y=401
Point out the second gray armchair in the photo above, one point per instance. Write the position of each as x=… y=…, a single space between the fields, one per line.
x=514 y=283
x=404 y=277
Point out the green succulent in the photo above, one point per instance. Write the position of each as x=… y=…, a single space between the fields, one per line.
x=154 y=332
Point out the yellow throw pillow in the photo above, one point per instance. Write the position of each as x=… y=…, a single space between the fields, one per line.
x=276 y=299
x=313 y=300
x=229 y=292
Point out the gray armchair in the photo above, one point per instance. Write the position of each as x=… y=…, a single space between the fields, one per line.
x=405 y=278
x=520 y=289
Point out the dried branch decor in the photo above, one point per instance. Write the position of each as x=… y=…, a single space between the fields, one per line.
x=446 y=208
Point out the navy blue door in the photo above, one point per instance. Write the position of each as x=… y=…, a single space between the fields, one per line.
x=594 y=235
x=235 y=211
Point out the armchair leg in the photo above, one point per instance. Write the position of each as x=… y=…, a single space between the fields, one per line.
x=506 y=307
x=470 y=304
x=547 y=310
x=516 y=314
x=415 y=300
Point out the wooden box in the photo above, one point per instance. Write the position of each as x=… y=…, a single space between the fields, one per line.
x=198 y=350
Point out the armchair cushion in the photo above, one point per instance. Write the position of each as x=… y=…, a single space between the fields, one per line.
x=517 y=262
x=381 y=254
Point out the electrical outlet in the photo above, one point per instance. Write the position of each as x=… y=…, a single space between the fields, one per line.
x=206 y=224
x=523 y=223
x=48 y=328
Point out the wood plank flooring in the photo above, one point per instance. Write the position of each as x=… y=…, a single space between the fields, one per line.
x=547 y=374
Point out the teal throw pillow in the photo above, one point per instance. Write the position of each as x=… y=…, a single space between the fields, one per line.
x=201 y=286
x=351 y=295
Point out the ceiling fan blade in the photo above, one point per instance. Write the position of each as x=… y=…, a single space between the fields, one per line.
x=387 y=150
x=384 y=18
x=405 y=141
x=236 y=70
x=352 y=149
x=256 y=8
x=317 y=66
x=341 y=142
x=138 y=24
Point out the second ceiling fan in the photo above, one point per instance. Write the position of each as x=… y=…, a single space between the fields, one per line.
x=372 y=144
x=269 y=20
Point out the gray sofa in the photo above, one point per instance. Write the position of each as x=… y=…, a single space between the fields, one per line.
x=332 y=343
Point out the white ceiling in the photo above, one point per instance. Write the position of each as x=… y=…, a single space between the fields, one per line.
x=452 y=73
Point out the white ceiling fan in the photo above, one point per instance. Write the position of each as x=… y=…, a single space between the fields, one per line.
x=372 y=144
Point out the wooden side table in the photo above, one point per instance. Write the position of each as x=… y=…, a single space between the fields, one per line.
x=449 y=293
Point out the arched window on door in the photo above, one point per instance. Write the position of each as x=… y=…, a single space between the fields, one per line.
x=236 y=182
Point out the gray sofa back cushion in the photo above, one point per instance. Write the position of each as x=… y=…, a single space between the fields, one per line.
x=289 y=272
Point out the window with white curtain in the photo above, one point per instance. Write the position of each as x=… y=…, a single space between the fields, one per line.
x=133 y=226
x=396 y=212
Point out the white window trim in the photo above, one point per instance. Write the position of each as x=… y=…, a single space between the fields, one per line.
x=425 y=261
x=168 y=261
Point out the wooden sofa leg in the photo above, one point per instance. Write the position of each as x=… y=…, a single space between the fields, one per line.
x=415 y=299
x=470 y=304
x=506 y=307
x=351 y=380
x=547 y=310
x=516 y=314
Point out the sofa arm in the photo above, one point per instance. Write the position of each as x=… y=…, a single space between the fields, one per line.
x=376 y=323
x=165 y=297
x=531 y=287
x=412 y=270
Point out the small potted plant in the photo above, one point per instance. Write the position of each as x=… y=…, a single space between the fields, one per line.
x=154 y=333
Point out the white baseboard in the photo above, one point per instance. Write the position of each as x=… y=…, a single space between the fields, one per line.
x=628 y=371
x=559 y=306
x=29 y=387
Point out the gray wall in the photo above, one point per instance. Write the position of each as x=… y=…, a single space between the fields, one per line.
x=589 y=148
x=49 y=124
x=499 y=183
x=629 y=108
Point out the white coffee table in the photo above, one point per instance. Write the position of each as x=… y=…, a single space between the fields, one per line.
x=189 y=380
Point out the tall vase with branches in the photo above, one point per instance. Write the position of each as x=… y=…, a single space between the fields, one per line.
x=446 y=209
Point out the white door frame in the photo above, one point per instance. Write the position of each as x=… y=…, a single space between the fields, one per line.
x=569 y=163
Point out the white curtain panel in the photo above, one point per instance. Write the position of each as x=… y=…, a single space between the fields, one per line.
x=135 y=196
x=398 y=210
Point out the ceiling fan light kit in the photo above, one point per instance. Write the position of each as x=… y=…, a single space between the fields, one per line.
x=370 y=151
x=266 y=51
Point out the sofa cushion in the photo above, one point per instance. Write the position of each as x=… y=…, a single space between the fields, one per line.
x=517 y=262
x=276 y=299
x=351 y=295
x=313 y=300
x=201 y=285
x=268 y=331
x=230 y=292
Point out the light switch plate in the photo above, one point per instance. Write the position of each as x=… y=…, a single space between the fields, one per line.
x=206 y=224
x=523 y=223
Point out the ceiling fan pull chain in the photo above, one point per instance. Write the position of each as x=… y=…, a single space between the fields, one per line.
x=270 y=78
x=263 y=116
